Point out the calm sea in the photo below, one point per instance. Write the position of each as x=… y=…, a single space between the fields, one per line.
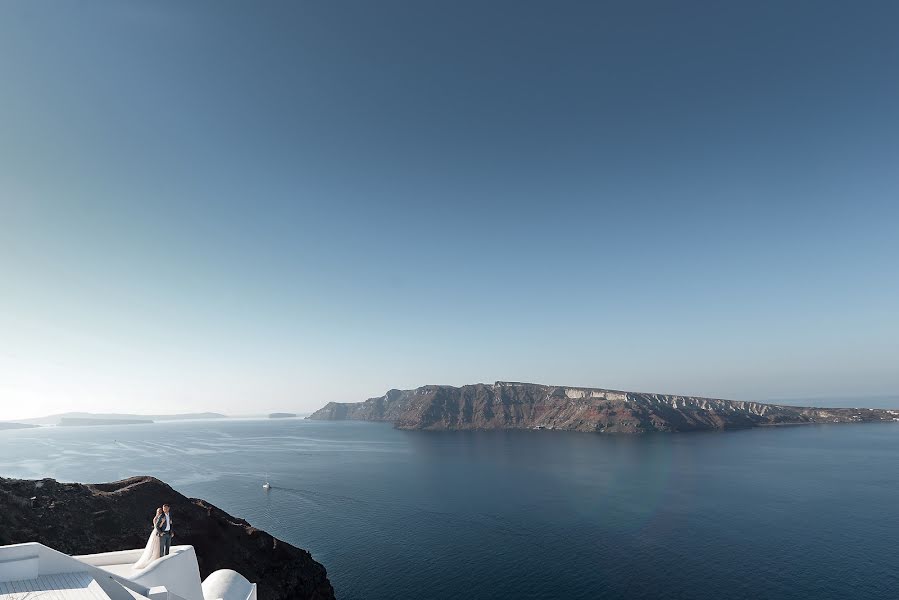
x=795 y=512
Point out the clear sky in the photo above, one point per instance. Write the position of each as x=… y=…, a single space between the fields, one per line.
x=253 y=206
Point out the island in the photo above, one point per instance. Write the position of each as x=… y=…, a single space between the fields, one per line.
x=77 y=518
x=280 y=415
x=73 y=418
x=513 y=405
x=87 y=422
x=10 y=425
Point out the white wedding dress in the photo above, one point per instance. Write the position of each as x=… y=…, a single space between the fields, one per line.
x=151 y=552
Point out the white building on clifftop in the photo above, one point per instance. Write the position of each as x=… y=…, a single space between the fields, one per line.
x=32 y=571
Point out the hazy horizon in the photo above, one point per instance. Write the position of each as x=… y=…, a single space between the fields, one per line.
x=219 y=206
x=877 y=401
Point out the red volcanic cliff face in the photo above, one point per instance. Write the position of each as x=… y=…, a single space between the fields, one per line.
x=526 y=405
x=80 y=518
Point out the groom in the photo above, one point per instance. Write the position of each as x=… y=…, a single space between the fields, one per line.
x=163 y=526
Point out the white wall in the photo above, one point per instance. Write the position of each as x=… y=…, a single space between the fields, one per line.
x=122 y=557
x=32 y=560
x=18 y=562
x=179 y=572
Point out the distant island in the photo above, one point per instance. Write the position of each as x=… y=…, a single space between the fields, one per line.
x=281 y=415
x=512 y=405
x=82 y=418
x=8 y=425
x=78 y=518
x=87 y=422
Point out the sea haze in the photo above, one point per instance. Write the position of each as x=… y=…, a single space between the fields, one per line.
x=788 y=512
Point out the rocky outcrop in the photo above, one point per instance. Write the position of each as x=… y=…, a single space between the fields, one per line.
x=80 y=518
x=506 y=405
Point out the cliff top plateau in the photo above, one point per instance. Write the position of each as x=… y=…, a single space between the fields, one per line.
x=513 y=405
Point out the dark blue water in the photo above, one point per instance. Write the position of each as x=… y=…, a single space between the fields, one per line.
x=794 y=513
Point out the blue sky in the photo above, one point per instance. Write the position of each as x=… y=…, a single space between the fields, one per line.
x=258 y=206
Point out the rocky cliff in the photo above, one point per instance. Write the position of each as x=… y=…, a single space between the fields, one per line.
x=505 y=405
x=87 y=518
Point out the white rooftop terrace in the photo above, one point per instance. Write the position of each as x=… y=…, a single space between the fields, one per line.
x=61 y=585
x=30 y=571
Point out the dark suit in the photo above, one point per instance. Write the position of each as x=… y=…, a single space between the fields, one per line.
x=165 y=543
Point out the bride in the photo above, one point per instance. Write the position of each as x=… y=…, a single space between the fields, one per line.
x=153 y=549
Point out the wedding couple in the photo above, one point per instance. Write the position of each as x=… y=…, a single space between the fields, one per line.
x=160 y=538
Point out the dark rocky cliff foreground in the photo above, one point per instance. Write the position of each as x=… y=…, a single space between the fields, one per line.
x=526 y=405
x=87 y=518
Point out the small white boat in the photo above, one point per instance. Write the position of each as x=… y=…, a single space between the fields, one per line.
x=266 y=486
